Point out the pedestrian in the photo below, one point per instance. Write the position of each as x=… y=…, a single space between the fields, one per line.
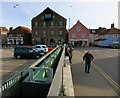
x=87 y=59
x=71 y=50
x=66 y=53
x=69 y=54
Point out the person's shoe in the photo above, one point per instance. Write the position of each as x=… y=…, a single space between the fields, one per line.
x=88 y=72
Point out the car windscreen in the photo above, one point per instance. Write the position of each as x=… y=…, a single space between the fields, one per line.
x=44 y=46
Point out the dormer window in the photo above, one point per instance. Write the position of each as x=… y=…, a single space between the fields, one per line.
x=48 y=15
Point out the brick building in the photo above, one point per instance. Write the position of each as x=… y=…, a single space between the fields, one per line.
x=19 y=36
x=79 y=34
x=49 y=27
x=3 y=35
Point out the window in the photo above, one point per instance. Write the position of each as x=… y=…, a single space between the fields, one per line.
x=42 y=17
x=93 y=31
x=60 y=23
x=18 y=35
x=82 y=35
x=36 y=24
x=44 y=23
x=53 y=17
x=115 y=35
x=52 y=32
x=44 y=32
x=47 y=15
x=73 y=35
x=36 y=32
x=78 y=28
x=52 y=23
x=60 y=32
x=10 y=35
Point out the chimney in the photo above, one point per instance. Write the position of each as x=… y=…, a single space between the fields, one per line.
x=10 y=29
x=78 y=21
x=112 y=25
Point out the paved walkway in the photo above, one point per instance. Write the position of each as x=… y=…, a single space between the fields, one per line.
x=92 y=84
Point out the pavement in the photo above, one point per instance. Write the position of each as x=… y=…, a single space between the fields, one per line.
x=88 y=84
x=9 y=66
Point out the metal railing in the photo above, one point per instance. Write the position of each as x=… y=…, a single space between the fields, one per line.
x=13 y=80
x=43 y=71
x=10 y=82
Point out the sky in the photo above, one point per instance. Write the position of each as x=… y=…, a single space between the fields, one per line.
x=93 y=14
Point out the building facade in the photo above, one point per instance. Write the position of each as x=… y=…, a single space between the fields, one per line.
x=19 y=36
x=49 y=27
x=3 y=35
x=106 y=37
x=79 y=35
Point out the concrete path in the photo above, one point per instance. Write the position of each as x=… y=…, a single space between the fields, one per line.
x=92 y=84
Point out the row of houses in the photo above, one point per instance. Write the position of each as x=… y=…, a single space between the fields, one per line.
x=50 y=27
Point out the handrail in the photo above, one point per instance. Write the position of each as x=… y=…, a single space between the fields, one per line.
x=38 y=73
x=41 y=59
x=57 y=80
x=10 y=82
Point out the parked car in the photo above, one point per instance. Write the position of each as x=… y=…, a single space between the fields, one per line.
x=115 y=45
x=42 y=48
x=50 y=46
x=27 y=52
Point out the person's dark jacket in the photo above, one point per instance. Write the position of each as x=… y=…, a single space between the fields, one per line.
x=88 y=57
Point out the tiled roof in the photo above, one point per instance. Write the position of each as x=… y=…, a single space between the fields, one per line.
x=25 y=28
x=20 y=29
x=109 y=31
x=3 y=28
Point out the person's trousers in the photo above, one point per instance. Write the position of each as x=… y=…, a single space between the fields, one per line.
x=87 y=67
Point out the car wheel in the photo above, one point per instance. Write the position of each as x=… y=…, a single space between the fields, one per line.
x=114 y=47
x=18 y=57
x=37 y=56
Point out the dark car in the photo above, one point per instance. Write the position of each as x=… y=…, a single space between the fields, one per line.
x=115 y=45
x=27 y=52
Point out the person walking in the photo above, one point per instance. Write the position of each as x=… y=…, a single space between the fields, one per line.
x=87 y=58
x=69 y=54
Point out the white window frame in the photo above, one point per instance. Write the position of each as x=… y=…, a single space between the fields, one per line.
x=10 y=35
x=18 y=35
x=78 y=28
x=73 y=35
x=82 y=35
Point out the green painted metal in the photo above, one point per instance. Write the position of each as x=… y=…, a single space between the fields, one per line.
x=41 y=75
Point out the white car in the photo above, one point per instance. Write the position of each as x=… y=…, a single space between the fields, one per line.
x=43 y=48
